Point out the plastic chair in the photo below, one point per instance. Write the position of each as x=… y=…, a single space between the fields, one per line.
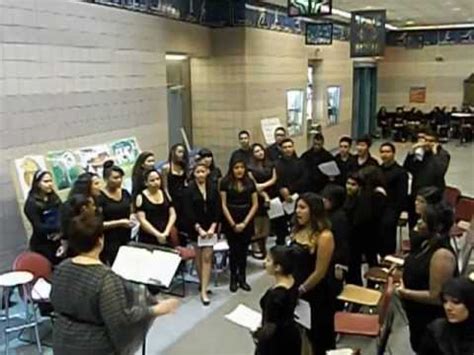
x=35 y=263
x=451 y=195
x=21 y=280
x=369 y=325
x=464 y=210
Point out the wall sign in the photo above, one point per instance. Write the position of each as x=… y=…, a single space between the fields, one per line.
x=368 y=33
x=319 y=33
x=417 y=94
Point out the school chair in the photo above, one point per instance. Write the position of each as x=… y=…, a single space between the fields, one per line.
x=451 y=195
x=21 y=280
x=463 y=214
x=376 y=326
x=403 y=244
x=358 y=295
x=186 y=255
x=41 y=268
x=220 y=259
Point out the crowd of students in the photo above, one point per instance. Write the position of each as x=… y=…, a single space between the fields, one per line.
x=338 y=222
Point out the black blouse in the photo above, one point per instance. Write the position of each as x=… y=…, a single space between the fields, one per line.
x=43 y=216
x=114 y=210
x=157 y=214
x=205 y=212
x=239 y=198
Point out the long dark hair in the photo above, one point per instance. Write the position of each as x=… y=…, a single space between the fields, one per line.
x=246 y=181
x=439 y=219
x=109 y=168
x=82 y=185
x=317 y=213
x=137 y=173
x=207 y=153
x=35 y=191
x=254 y=162
x=283 y=256
x=172 y=157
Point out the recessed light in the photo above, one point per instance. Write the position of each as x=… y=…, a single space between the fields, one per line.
x=456 y=9
x=176 y=57
x=410 y=22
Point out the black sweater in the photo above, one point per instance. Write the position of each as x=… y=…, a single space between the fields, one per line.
x=316 y=179
x=292 y=174
x=396 y=182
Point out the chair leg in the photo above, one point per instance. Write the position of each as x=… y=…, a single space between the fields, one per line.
x=6 y=295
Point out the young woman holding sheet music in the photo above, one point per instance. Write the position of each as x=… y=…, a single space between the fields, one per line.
x=279 y=334
x=263 y=172
x=42 y=210
x=239 y=205
x=313 y=247
x=115 y=203
x=95 y=313
x=155 y=211
x=202 y=210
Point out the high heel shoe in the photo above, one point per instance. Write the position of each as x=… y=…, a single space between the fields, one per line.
x=205 y=302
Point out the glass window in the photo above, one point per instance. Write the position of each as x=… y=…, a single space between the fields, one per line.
x=294 y=108
x=334 y=104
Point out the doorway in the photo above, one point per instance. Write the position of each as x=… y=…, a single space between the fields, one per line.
x=178 y=80
x=364 y=99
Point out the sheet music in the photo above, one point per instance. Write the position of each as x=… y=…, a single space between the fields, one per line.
x=329 y=168
x=207 y=242
x=145 y=266
x=344 y=351
x=41 y=290
x=394 y=260
x=289 y=207
x=303 y=313
x=245 y=317
x=276 y=208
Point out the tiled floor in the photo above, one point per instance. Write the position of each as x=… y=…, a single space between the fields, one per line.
x=196 y=329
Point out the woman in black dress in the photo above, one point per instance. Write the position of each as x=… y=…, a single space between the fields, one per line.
x=425 y=272
x=42 y=210
x=313 y=248
x=263 y=172
x=206 y=157
x=239 y=205
x=155 y=211
x=115 y=203
x=453 y=334
x=175 y=180
x=279 y=334
x=145 y=161
x=202 y=207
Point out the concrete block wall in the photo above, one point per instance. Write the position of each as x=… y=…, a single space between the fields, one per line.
x=75 y=74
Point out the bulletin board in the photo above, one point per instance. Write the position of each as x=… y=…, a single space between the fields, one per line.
x=67 y=164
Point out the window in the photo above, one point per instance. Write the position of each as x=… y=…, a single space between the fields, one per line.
x=334 y=104
x=294 y=108
x=309 y=94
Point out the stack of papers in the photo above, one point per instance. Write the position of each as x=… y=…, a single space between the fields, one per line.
x=153 y=267
x=41 y=290
x=303 y=314
x=276 y=208
x=245 y=317
x=394 y=260
x=329 y=169
x=345 y=351
x=289 y=207
x=207 y=242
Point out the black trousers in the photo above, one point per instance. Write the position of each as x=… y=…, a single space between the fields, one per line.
x=238 y=246
x=361 y=243
x=281 y=228
x=388 y=235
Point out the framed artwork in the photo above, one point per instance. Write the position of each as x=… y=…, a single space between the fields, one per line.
x=319 y=34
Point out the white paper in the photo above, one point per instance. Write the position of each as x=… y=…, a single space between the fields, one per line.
x=207 y=242
x=289 y=207
x=221 y=245
x=41 y=290
x=268 y=128
x=344 y=351
x=276 y=208
x=145 y=266
x=394 y=260
x=303 y=313
x=245 y=317
x=329 y=168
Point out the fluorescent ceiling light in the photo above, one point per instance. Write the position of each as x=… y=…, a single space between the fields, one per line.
x=436 y=27
x=176 y=57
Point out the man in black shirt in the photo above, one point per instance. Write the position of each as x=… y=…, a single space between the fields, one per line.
x=396 y=186
x=363 y=157
x=274 y=150
x=244 y=152
x=313 y=157
x=428 y=163
x=291 y=178
x=344 y=159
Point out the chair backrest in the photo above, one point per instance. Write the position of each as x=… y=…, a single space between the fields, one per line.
x=386 y=316
x=35 y=263
x=451 y=195
x=386 y=300
x=464 y=209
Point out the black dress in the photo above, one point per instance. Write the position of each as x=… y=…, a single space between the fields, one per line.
x=322 y=299
x=205 y=212
x=239 y=204
x=113 y=210
x=261 y=175
x=157 y=214
x=279 y=334
x=416 y=276
x=44 y=218
x=176 y=186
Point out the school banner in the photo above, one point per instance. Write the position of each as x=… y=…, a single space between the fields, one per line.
x=368 y=33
